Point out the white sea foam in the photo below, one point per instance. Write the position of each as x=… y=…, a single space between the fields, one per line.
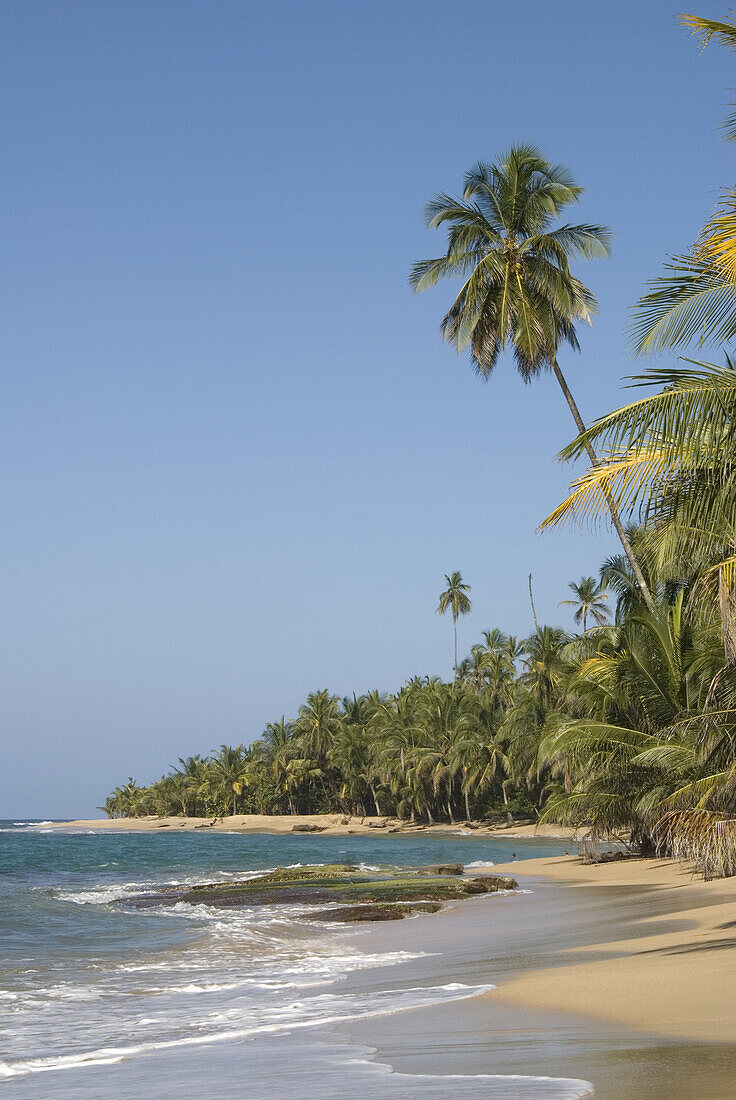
x=311 y=1013
x=515 y=1086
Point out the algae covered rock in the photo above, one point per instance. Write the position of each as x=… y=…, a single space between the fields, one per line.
x=346 y=889
x=441 y=869
x=395 y=910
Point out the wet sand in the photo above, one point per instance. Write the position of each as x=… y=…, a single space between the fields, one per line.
x=621 y=974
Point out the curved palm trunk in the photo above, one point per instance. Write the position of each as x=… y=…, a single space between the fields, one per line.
x=531 y=601
x=726 y=603
x=615 y=518
x=375 y=800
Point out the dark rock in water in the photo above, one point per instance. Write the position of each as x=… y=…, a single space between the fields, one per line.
x=500 y=882
x=336 y=884
x=308 y=828
x=395 y=910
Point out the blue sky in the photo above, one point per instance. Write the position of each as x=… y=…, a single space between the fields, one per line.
x=238 y=457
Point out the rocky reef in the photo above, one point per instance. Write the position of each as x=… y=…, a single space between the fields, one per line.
x=339 y=892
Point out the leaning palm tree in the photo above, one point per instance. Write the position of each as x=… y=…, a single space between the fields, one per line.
x=456 y=599
x=518 y=288
x=589 y=599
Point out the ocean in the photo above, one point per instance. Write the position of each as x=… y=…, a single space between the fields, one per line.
x=102 y=1000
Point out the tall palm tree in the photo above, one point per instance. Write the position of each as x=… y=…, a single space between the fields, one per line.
x=455 y=597
x=518 y=288
x=590 y=595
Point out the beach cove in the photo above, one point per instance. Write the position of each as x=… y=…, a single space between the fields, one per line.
x=548 y=991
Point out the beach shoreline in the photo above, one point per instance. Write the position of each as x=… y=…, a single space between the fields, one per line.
x=619 y=973
x=674 y=977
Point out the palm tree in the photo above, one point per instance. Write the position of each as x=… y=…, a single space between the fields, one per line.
x=228 y=766
x=589 y=597
x=455 y=597
x=495 y=640
x=518 y=286
x=545 y=664
x=277 y=739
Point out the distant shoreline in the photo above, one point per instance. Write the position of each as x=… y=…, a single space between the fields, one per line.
x=314 y=824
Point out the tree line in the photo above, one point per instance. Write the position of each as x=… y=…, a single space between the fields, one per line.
x=434 y=751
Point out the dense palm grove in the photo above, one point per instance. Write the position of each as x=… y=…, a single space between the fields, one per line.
x=628 y=727
x=434 y=751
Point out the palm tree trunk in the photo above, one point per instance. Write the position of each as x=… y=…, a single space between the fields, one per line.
x=375 y=800
x=454 y=630
x=509 y=817
x=726 y=607
x=616 y=519
x=531 y=601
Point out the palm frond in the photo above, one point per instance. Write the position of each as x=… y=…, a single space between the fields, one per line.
x=694 y=302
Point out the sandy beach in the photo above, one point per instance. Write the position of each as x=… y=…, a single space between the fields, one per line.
x=622 y=974
x=677 y=981
x=328 y=824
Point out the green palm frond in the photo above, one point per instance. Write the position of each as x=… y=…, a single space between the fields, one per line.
x=694 y=302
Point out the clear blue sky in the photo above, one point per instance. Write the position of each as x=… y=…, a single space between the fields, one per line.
x=238 y=459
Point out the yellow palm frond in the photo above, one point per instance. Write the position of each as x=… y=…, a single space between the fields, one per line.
x=628 y=481
x=718 y=239
x=723 y=32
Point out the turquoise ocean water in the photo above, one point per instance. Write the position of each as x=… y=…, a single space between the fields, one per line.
x=99 y=1000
